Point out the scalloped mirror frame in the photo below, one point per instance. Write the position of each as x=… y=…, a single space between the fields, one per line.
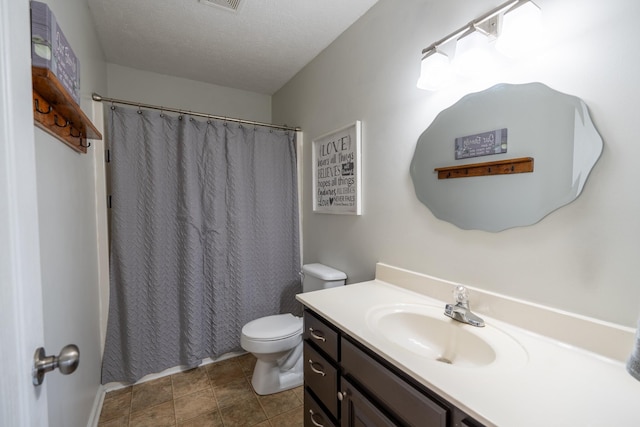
x=553 y=128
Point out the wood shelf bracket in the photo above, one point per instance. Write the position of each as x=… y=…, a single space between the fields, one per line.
x=500 y=167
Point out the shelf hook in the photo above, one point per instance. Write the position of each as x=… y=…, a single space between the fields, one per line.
x=37 y=107
x=55 y=122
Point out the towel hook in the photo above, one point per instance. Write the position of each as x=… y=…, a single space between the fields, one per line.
x=55 y=122
x=37 y=107
x=88 y=143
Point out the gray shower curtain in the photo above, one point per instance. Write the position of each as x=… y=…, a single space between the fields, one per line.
x=204 y=237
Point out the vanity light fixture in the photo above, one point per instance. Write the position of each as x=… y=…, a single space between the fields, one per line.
x=435 y=71
x=472 y=42
x=473 y=52
x=520 y=30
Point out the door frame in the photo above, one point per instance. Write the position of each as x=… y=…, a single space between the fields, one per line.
x=21 y=315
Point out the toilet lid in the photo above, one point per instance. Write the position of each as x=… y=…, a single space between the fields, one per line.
x=273 y=328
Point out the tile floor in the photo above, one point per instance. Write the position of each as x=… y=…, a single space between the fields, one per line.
x=218 y=395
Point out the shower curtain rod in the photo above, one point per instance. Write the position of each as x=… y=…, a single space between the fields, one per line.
x=99 y=98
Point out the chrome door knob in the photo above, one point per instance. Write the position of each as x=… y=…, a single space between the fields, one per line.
x=67 y=361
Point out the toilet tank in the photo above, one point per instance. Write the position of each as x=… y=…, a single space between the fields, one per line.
x=320 y=276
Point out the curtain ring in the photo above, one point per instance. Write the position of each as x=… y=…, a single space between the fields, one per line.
x=139 y=110
x=161 y=112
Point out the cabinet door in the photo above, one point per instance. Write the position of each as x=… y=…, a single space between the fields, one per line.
x=408 y=404
x=358 y=411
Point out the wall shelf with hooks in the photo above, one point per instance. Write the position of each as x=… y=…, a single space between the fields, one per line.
x=57 y=113
x=500 y=167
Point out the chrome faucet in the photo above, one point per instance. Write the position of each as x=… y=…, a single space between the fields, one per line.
x=461 y=311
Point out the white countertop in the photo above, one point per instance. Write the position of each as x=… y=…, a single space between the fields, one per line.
x=559 y=385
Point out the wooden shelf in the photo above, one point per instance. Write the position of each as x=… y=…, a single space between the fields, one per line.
x=501 y=167
x=58 y=114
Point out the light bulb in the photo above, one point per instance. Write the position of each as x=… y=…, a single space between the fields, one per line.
x=521 y=31
x=435 y=72
x=473 y=55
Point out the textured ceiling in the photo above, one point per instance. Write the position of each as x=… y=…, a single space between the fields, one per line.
x=258 y=48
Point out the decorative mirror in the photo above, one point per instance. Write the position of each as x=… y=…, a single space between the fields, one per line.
x=505 y=157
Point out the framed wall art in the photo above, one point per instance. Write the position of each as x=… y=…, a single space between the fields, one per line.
x=337 y=171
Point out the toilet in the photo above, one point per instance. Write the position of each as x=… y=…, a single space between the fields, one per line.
x=276 y=341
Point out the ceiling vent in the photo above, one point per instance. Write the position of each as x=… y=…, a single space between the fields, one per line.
x=233 y=5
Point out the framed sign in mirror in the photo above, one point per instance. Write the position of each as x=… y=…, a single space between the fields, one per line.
x=337 y=171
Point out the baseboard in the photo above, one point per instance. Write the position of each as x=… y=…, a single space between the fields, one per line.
x=94 y=416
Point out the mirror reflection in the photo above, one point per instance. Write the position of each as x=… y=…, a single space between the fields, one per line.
x=527 y=121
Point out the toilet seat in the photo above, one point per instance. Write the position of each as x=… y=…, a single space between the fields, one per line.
x=273 y=328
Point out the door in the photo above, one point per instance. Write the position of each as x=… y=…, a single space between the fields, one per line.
x=358 y=411
x=21 y=324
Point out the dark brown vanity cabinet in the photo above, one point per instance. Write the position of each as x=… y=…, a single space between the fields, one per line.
x=347 y=385
x=321 y=372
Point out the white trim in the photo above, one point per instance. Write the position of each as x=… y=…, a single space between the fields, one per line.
x=96 y=409
x=102 y=227
x=300 y=166
x=21 y=316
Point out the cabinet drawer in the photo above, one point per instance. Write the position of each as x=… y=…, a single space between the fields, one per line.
x=321 y=377
x=314 y=415
x=403 y=400
x=321 y=334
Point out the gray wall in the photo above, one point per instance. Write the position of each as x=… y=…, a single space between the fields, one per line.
x=158 y=89
x=67 y=208
x=581 y=258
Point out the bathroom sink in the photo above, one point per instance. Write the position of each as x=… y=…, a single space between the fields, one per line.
x=425 y=331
